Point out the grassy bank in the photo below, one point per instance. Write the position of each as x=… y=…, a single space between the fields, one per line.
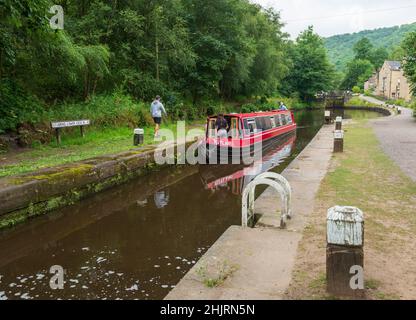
x=365 y=177
x=74 y=148
x=357 y=101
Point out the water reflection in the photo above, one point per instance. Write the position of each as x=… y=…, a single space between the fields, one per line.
x=236 y=178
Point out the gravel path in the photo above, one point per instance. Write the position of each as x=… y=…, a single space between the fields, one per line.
x=397 y=135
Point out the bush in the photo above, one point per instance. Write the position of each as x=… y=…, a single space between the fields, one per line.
x=398 y=102
x=249 y=107
x=113 y=110
x=17 y=107
x=356 y=89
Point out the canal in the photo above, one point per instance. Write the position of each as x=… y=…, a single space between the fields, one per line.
x=137 y=241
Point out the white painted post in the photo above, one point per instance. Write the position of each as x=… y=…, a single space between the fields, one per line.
x=338 y=141
x=345 y=253
x=338 y=123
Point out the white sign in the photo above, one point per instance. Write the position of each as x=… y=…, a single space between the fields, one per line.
x=339 y=134
x=338 y=119
x=66 y=124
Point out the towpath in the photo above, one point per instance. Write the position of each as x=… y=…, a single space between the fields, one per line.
x=397 y=137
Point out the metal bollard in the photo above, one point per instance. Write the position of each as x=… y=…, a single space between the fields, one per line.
x=338 y=141
x=138 y=137
x=345 y=252
x=327 y=117
x=338 y=123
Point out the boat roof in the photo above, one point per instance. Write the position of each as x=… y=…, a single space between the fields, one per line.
x=253 y=114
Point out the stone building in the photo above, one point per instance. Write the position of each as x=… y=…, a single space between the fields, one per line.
x=392 y=83
x=371 y=84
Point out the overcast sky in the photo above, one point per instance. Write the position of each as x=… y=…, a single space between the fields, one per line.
x=331 y=17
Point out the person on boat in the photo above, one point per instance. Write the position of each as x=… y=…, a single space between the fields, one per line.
x=221 y=125
x=282 y=107
x=156 y=109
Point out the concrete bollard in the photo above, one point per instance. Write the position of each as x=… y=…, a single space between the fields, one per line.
x=338 y=141
x=327 y=117
x=338 y=123
x=138 y=137
x=345 y=252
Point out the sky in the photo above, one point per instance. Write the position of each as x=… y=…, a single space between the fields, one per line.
x=332 y=17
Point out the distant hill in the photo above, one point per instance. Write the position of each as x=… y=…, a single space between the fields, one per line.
x=340 y=47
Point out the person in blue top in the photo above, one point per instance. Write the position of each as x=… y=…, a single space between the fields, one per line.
x=282 y=107
x=156 y=109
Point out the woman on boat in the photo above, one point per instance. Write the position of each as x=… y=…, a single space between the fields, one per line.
x=221 y=125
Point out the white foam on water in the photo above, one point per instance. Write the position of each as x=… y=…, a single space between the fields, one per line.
x=3 y=296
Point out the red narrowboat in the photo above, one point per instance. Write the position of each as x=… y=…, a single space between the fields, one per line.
x=248 y=129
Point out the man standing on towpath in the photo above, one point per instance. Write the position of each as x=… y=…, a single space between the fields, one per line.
x=156 y=109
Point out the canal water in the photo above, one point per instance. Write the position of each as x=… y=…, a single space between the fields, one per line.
x=138 y=240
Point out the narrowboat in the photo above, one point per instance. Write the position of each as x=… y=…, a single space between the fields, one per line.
x=247 y=130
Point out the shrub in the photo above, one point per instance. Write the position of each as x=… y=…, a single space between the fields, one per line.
x=356 y=89
x=249 y=107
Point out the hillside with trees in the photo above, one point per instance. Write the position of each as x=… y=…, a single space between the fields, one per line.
x=341 y=47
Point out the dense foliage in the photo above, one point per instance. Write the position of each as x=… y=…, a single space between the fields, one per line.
x=341 y=47
x=311 y=69
x=409 y=49
x=191 y=52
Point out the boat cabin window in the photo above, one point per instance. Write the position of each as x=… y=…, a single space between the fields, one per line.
x=289 y=119
x=273 y=122
x=267 y=123
x=277 y=120
x=259 y=123
x=263 y=123
x=250 y=126
x=283 y=119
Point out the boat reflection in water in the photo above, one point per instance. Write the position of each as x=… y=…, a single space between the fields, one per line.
x=237 y=177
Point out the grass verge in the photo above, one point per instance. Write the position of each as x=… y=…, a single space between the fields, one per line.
x=75 y=148
x=363 y=176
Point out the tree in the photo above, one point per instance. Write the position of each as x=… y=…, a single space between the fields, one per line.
x=409 y=47
x=363 y=49
x=378 y=56
x=397 y=54
x=358 y=71
x=311 y=71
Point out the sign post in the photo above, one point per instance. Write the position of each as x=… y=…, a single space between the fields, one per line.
x=338 y=141
x=68 y=124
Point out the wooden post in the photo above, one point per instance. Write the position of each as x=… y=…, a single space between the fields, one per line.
x=345 y=252
x=338 y=141
x=58 y=135
x=82 y=131
x=338 y=123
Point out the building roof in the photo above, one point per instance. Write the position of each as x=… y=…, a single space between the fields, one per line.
x=394 y=65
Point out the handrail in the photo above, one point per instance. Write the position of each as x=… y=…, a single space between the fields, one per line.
x=279 y=183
